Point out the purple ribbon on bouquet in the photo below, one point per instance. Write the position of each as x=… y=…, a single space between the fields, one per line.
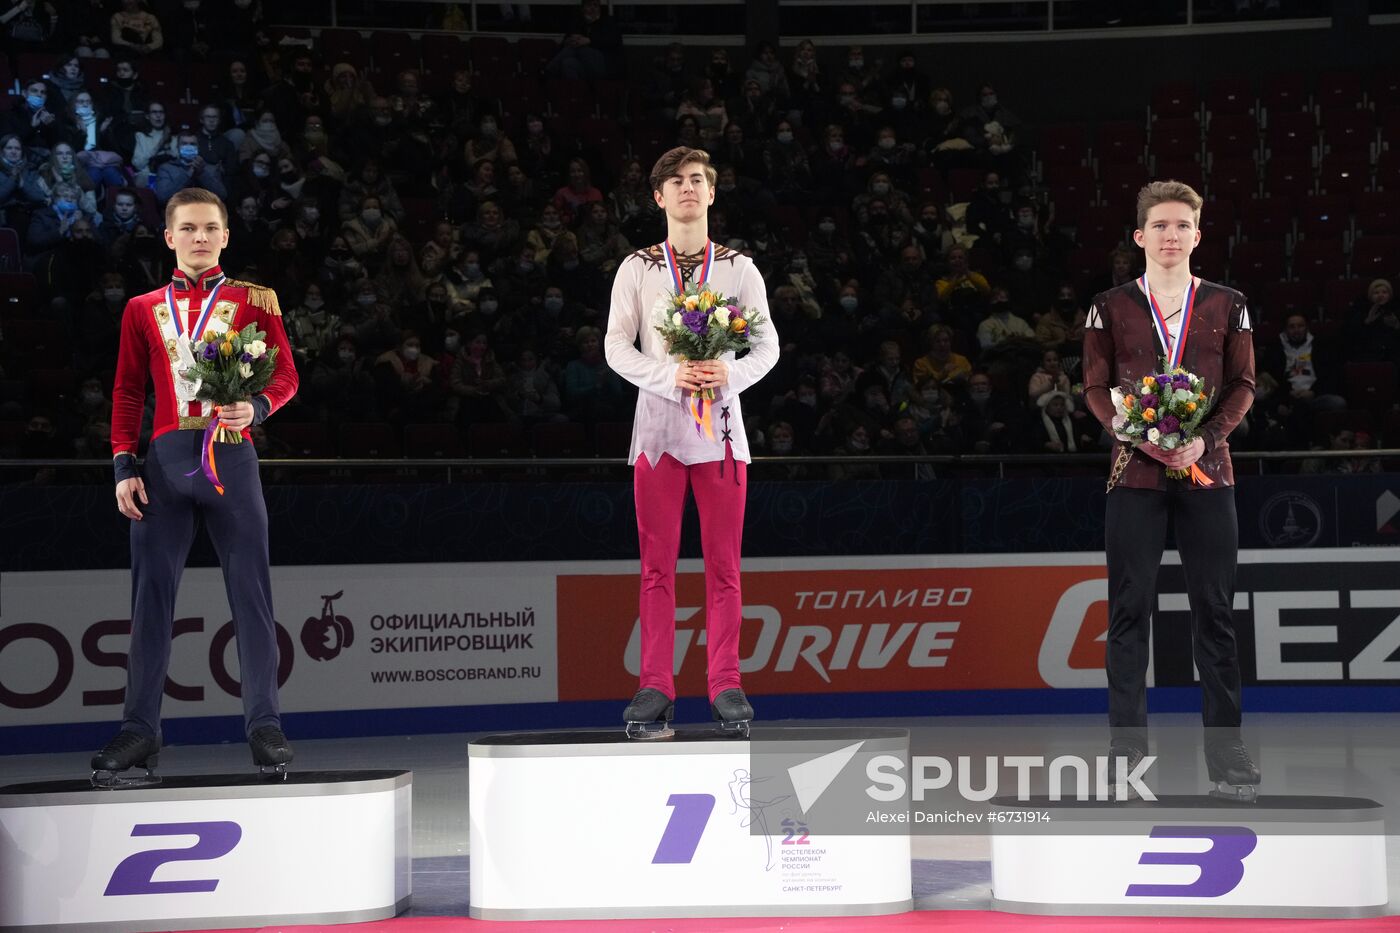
x=206 y=455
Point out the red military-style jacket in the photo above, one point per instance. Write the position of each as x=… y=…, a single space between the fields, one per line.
x=147 y=352
x=1121 y=347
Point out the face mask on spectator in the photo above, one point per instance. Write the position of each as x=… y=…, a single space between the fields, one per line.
x=807 y=398
x=113 y=295
x=488 y=306
x=1023 y=263
x=371 y=215
x=881 y=188
x=347 y=356
x=857 y=443
x=726 y=188
x=260 y=170
x=856 y=63
x=554 y=304
x=315 y=304
x=899 y=103
x=35 y=102
x=365 y=301
x=846 y=99
x=549 y=223
x=83 y=110
x=383 y=119
x=931 y=398
x=526 y=265
x=451 y=343
x=785 y=136
x=472 y=270
x=189 y=153
x=1025 y=221
x=942 y=108
x=65 y=206
x=311 y=215
x=979 y=393
x=827 y=227
x=92 y=397
x=488 y=130
x=569 y=265
x=989 y=101
x=411 y=353
x=783 y=446
x=850 y=302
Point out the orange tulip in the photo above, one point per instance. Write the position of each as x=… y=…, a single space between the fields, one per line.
x=1149 y=414
x=1128 y=400
x=1190 y=407
x=738 y=325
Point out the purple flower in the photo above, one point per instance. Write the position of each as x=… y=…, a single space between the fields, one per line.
x=1181 y=382
x=209 y=352
x=1170 y=424
x=734 y=310
x=1164 y=380
x=1149 y=401
x=695 y=321
x=246 y=357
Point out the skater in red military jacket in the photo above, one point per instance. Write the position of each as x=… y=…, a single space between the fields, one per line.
x=164 y=495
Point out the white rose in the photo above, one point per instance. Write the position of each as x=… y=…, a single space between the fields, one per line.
x=676 y=319
x=245 y=370
x=1183 y=395
x=1154 y=435
x=257 y=348
x=722 y=315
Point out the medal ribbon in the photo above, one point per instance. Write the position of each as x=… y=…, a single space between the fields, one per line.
x=1173 y=354
x=673 y=265
x=204 y=313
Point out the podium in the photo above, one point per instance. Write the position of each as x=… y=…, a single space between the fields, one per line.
x=592 y=825
x=206 y=852
x=1282 y=856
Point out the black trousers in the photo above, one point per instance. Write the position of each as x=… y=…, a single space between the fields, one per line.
x=1207 y=537
x=160 y=544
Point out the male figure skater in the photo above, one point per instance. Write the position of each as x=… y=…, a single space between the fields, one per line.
x=670 y=456
x=162 y=498
x=1205 y=328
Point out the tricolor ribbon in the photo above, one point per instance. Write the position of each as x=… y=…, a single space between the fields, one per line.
x=702 y=413
x=204 y=312
x=673 y=266
x=1175 y=353
x=206 y=455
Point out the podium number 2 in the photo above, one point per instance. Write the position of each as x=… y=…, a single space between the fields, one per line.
x=1222 y=865
x=135 y=874
x=689 y=814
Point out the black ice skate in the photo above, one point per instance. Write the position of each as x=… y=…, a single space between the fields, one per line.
x=732 y=711
x=127 y=750
x=271 y=753
x=1128 y=757
x=1233 y=771
x=649 y=715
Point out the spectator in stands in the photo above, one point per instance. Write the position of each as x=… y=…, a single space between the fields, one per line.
x=987 y=215
x=1371 y=331
x=1055 y=431
x=990 y=126
x=945 y=145
x=466 y=278
x=62 y=166
x=834 y=164
x=151 y=145
x=491 y=234
x=409 y=104
x=909 y=84
x=214 y=146
x=135 y=29
x=887 y=372
x=489 y=143
x=600 y=244
x=370 y=180
x=340 y=383
x=768 y=73
x=369 y=234
x=786 y=167
x=54 y=224
x=856 y=442
x=667 y=83
x=543 y=235
x=941 y=365
x=192 y=30
x=905 y=440
x=406 y=383
x=187 y=170
x=891 y=157
x=519 y=279
x=753 y=111
x=70 y=270
x=1305 y=370
x=400 y=282
x=263 y=136
x=1031 y=287
x=959 y=277
x=1047 y=378
x=87 y=25
x=90 y=135
x=1053 y=325
x=1123 y=267
x=460 y=108
x=592 y=391
x=127 y=96
x=881 y=188
x=479 y=383
x=531 y=394
x=807 y=84
x=121 y=218
x=311 y=327
x=933 y=411
x=31 y=119
x=990 y=420
x=1002 y=322
x=19 y=184
x=1345 y=439
x=142 y=260
x=578 y=192
x=591 y=47
x=911 y=279
x=68 y=78
x=241 y=99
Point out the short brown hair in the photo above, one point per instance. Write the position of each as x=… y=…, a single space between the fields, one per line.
x=194 y=196
x=670 y=164
x=1166 y=192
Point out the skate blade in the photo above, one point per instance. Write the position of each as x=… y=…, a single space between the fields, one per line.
x=649 y=731
x=107 y=780
x=1237 y=793
x=738 y=729
x=272 y=772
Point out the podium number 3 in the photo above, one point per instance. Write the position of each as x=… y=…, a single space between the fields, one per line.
x=1222 y=865
x=689 y=814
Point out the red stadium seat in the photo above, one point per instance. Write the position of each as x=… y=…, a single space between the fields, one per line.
x=1103 y=227
x=1385 y=87
x=1071 y=184
x=303 y=439
x=1120 y=142
x=369 y=441
x=395 y=52
x=1235 y=180
x=1339 y=295
x=1288 y=177
x=1120 y=183
x=1267 y=218
x=490 y=441
x=1378 y=214
x=1209 y=261
x=1255 y=262
x=9 y=251
x=1321 y=216
x=1388 y=170
x=17 y=291
x=1175 y=138
x=491 y=54
x=1319 y=259
x=1283 y=93
x=1369 y=385
x=1063 y=144
x=1230 y=96
x=1344 y=175
x=49 y=386
x=1339 y=90
x=1185 y=170
x=1280 y=299
x=1349 y=131
x=559 y=440
x=612 y=97
x=443 y=53
x=1178 y=99
x=433 y=442
x=1292 y=134
x=534 y=54
x=613 y=439
x=1219 y=220
x=1086 y=265
x=338 y=45
x=1375 y=256
x=1233 y=136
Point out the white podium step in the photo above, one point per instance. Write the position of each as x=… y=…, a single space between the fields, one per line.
x=206 y=852
x=592 y=825
x=1193 y=856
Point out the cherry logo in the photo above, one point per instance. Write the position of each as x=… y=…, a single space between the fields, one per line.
x=325 y=637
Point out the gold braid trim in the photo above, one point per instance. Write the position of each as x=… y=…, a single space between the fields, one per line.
x=1121 y=464
x=259 y=296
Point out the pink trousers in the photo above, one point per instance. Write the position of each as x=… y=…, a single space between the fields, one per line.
x=720 y=489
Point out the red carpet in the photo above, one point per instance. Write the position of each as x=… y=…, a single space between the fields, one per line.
x=953 y=921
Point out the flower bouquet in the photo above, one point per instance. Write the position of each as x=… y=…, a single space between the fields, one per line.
x=1167 y=411
x=700 y=324
x=229 y=367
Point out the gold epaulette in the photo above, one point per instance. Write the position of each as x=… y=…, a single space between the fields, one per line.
x=259 y=296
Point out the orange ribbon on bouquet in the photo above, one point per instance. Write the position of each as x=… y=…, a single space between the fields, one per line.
x=701 y=412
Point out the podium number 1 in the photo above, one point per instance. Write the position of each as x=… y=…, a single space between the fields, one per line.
x=689 y=814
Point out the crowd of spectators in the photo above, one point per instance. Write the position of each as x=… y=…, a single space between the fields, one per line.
x=445 y=256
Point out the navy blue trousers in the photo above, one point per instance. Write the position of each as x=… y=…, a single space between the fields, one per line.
x=160 y=544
